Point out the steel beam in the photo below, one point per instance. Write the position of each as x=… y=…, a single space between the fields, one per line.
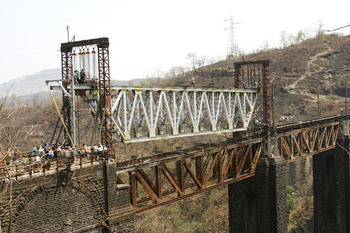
x=104 y=85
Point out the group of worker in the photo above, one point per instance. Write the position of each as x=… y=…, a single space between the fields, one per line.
x=50 y=152
x=54 y=152
x=258 y=123
x=81 y=77
x=250 y=86
x=11 y=156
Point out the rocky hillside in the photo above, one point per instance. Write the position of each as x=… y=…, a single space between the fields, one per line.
x=301 y=72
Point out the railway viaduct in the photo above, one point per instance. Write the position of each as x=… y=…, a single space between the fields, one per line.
x=106 y=196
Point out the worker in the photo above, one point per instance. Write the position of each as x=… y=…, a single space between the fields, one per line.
x=1 y=159
x=9 y=158
x=100 y=148
x=18 y=154
x=46 y=148
x=73 y=154
x=37 y=158
x=82 y=76
x=192 y=81
x=76 y=76
x=86 y=150
x=79 y=152
x=50 y=155
x=41 y=152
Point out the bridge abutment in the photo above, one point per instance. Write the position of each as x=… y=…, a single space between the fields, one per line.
x=120 y=215
x=331 y=189
x=90 y=201
x=259 y=204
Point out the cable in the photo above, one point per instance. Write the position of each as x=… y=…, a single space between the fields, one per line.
x=336 y=29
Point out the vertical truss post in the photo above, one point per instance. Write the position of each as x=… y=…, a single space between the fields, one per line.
x=158 y=171
x=238 y=76
x=133 y=189
x=180 y=175
x=219 y=167
x=67 y=67
x=199 y=169
x=105 y=98
x=266 y=94
x=266 y=107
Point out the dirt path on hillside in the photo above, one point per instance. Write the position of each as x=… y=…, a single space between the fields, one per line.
x=307 y=70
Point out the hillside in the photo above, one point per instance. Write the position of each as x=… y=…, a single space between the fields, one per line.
x=299 y=72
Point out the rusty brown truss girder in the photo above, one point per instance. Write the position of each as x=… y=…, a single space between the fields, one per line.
x=308 y=141
x=177 y=177
x=166 y=178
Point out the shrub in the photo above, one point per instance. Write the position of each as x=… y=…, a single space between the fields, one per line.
x=297 y=229
x=291 y=198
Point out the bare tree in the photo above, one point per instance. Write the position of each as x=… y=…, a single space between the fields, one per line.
x=176 y=72
x=319 y=30
x=8 y=137
x=283 y=39
x=192 y=57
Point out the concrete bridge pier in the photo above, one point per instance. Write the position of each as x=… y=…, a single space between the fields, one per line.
x=331 y=189
x=259 y=204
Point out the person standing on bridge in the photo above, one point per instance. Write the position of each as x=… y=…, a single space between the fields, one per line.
x=50 y=155
x=76 y=76
x=86 y=150
x=192 y=81
x=35 y=151
x=82 y=76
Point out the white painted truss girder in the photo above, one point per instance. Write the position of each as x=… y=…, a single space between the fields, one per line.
x=148 y=113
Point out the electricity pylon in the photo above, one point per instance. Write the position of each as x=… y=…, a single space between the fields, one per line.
x=232 y=46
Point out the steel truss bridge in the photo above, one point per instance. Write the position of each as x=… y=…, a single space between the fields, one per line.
x=143 y=113
x=165 y=178
x=134 y=114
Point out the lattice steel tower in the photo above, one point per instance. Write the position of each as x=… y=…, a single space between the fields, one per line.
x=232 y=45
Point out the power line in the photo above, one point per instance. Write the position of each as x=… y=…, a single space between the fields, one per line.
x=232 y=46
x=337 y=28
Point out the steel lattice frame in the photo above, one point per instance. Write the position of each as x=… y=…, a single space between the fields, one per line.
x=160 y=112
x=104 y=85
x=266 y=94
x=238 y=76
x=104 y=99
x=188 y=173
x=239 y=72
x=307 y=141
x=169 y=177
x=67 y=67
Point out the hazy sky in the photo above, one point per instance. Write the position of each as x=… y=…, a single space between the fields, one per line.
x=145 y=35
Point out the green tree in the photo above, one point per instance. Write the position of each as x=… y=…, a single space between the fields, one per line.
x=291 y=198
x=297 y=229
x=300 y=37
x=143 y=82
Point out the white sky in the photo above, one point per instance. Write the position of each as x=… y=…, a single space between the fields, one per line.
x=145 y=35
